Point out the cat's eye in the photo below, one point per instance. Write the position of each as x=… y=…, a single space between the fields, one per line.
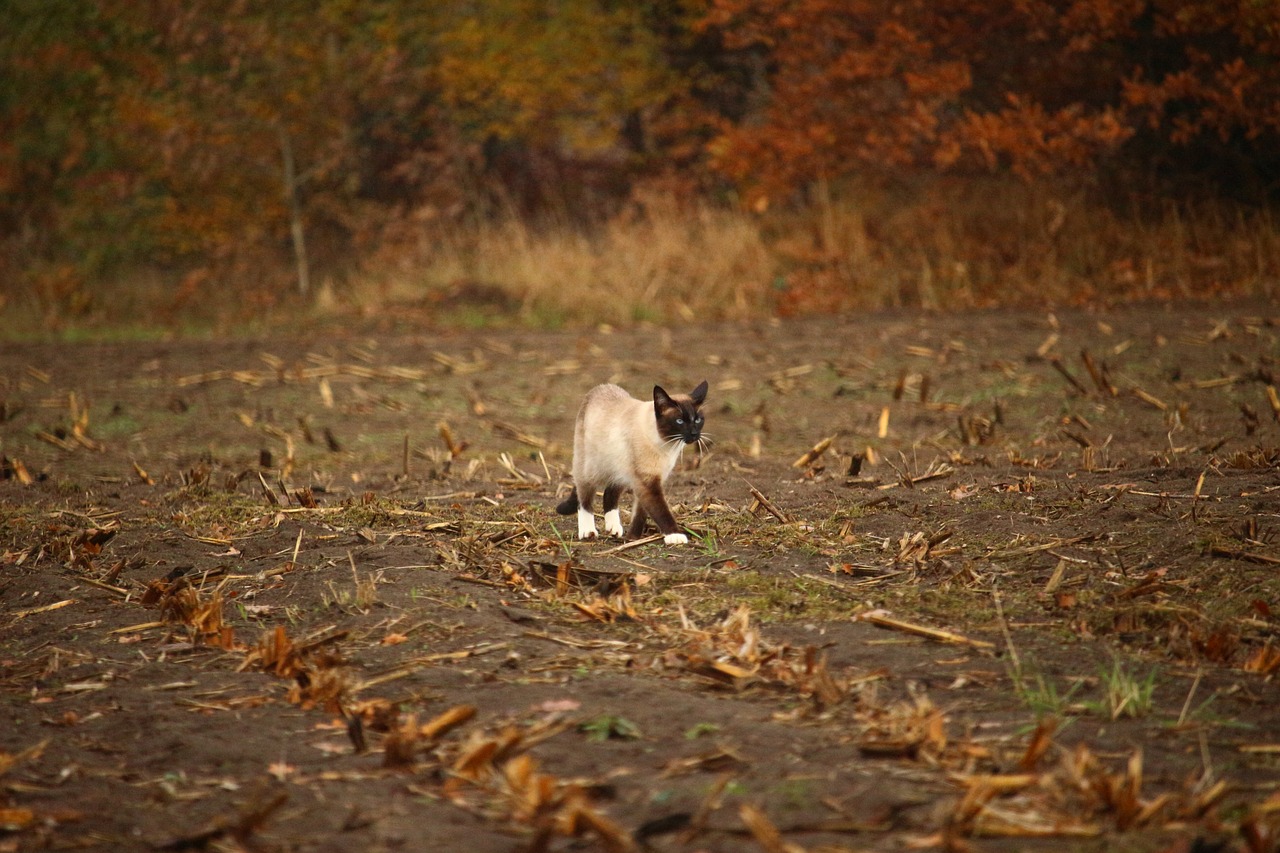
x=680 y=421
x=698 y=419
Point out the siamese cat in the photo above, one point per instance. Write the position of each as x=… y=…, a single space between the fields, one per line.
x=621 y=444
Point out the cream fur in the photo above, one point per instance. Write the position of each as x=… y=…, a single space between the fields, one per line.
x=616 y=441
x=613 y=523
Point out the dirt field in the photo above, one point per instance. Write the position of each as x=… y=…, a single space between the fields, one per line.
x=309 y=593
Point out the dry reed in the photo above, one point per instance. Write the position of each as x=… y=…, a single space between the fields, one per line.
x=933 y=243
x=938 y=244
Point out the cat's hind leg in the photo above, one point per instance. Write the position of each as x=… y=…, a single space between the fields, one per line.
x=569 y=505
x=612 y=516
x=586 y=518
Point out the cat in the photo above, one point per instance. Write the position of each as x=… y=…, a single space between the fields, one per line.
x=622 y=444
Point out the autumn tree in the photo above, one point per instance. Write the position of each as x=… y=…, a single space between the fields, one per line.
x=1206 y=99
x=64 y=168
x=850 y=84
x=262 y=122
x=867 y=85
x=1032 y=86
x=226 y=129
x=222 y=136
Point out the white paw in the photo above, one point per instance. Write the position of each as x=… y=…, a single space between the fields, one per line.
x=586 y=524
x=675 y=539
x=613 y=523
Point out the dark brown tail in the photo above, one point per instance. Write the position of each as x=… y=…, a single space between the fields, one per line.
x=569 y=505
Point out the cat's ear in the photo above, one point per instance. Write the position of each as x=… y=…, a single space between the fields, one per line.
x=699 y=394
x=661 y=400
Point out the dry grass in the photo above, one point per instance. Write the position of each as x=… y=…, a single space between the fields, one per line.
x=662 y=264
x=942 y=244
x=932 y=243
x=935 y=244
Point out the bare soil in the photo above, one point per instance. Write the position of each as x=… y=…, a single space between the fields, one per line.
x=309 y=593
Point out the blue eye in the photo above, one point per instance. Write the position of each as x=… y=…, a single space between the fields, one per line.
x=698 y=419
x=680 y=421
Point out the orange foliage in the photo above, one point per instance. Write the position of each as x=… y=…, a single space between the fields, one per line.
x=1034 y=86
x=852 y=84
x=1213 y=90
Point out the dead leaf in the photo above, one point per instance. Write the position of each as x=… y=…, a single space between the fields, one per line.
x=280 y=770
x=764 y=832
x=1264 y=661
x=447 y=721
x=1041 y=740
x=559 y=706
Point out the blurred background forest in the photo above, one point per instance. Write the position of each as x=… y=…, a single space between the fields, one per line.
x=178 y=163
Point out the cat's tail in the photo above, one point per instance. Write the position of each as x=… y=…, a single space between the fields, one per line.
x=569 y=505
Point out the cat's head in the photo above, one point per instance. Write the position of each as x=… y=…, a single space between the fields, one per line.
x=680 y=415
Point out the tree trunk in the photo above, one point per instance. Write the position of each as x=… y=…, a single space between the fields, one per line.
x=295 y=214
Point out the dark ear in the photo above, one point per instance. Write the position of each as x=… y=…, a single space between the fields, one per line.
x=661 y=400
x=699 y=394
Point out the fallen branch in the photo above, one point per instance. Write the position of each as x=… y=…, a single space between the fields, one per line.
x=514 y=432
x=810 y=456
x=764 y=832
x=60 y=443
x=1149 y=399
x=1219 y=382
x=1066 y=374
x=883 y=620
x=1247 y=556
x=769 y=505
x=1035 y=549
x=239 y=826
x=1098 y=374
x=57 y=605
x=114 y=590
x=634 y=543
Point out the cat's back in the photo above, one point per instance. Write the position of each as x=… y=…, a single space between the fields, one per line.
x=605 y=394
x=608 y=425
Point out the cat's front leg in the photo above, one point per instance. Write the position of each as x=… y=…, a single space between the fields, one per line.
x=613 y=523
x=638 y=521
x=650 y=500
